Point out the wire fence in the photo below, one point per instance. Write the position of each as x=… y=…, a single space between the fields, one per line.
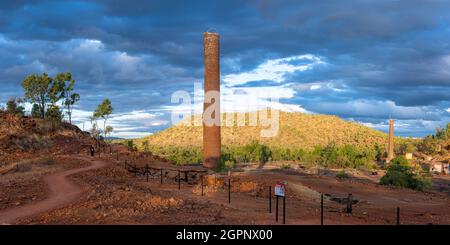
x=195 y=176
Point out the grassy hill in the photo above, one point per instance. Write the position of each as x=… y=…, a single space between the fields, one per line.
x=316 y=139
x=297 y=130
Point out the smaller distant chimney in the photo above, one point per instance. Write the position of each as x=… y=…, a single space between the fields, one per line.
x=390 y=154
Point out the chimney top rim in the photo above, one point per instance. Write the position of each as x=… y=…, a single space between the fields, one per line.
x=211 y=33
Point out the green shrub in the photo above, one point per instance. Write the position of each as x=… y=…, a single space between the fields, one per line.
x=54 y=114
x=400 y=173
x=229 y=164
x=14 y=106
x=130 y=144
x=428 y=145
x=342 y=175
x=347 y=156
x=178 y=155
x=410 y=148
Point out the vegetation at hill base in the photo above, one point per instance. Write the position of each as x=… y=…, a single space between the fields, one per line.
x=330 y=156
x=312 y=140
x=400 y=172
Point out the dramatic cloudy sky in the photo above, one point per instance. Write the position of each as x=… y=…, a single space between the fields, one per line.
x=361 y=60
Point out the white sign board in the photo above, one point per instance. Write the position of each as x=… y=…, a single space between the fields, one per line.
x=280 y=190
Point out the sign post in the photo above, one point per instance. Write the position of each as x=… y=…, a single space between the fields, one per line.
x=349 y=208
x=270 y=199
x=284 y=210
x=276 y=209
x=280 y=191
x=202 y=184
x=229 y=190
x=179 y=179
x=321 y=209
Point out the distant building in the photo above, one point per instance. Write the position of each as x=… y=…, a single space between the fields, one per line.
x=409 y=156
x=440 y=167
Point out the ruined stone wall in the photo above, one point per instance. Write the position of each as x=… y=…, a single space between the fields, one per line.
x=211 y=134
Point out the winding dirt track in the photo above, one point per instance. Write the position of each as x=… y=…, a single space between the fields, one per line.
x=62 y=192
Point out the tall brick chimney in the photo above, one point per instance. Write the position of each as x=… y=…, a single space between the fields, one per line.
x=390 y=155
x=211 y=133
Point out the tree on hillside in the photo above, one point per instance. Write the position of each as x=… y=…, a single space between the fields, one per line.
x=95 y=131
x=37 y=90
x=13 y=106
x=108 y=130
x=35 y=111
x=104 y=110
x=145 y=145
x=66 y=83
x=54 y=113
x=443 y=133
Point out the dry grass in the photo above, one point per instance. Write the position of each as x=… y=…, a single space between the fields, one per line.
x=32 y=142
x=297 y=130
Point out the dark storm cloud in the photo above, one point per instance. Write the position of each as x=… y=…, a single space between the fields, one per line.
x=139 y=52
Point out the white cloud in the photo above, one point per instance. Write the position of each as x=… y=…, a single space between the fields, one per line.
x=405 y=127
x=132 y=116
x=315 y=86
x=126 y=125
x=131 y=134
x=377 y=109
x=90 y=45
x=245 y=99
x=331 y=85
x=274 y=69
x=242 y=99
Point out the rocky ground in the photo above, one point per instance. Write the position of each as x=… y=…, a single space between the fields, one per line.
x=115 y=196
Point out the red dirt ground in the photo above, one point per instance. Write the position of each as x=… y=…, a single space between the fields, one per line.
x=112 y=195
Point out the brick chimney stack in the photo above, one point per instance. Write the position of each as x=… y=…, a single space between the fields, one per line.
x=390 y=155
x=211 y=133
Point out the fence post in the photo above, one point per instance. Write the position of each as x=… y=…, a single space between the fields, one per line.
x=161 y=176
x=321 y=209
x=202 y=184
x=229 y=190
x=276 y=209
x=270 y=199
x=179 y=179
x=398 y=215
x=349 y=203
x=284 y=209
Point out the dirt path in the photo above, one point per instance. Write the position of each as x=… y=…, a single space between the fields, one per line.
x=62 y=192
